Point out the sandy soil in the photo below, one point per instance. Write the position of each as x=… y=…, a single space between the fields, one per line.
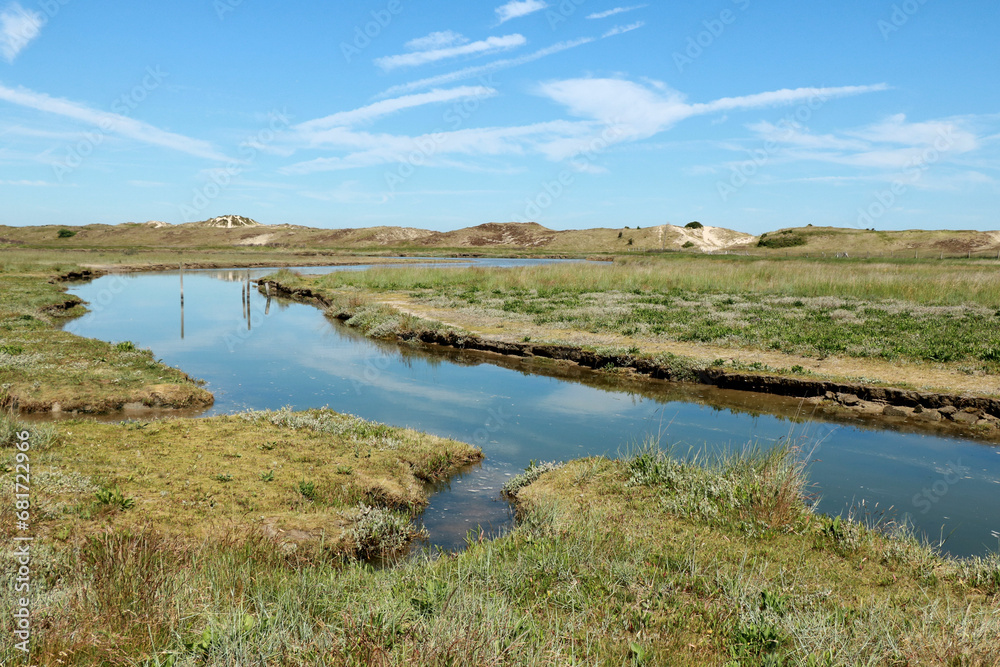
x=941 y=378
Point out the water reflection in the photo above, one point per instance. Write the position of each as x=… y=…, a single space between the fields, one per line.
x=523 y=409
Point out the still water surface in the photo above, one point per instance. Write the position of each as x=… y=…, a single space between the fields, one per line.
x=289 y=354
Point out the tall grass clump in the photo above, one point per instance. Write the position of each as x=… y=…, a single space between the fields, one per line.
x=754 y=489
x=40 y=436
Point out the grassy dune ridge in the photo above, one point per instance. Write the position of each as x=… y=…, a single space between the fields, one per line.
x=652 y=559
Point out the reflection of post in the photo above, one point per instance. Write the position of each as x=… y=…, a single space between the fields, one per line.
x=248 y=299
x=182 y=301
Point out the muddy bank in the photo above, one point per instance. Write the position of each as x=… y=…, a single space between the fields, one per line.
x=958 y=414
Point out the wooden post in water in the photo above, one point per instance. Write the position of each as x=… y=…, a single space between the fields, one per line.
x=248 y=298
x=182 y=301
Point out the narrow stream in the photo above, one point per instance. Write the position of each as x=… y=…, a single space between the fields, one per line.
x=289 y=354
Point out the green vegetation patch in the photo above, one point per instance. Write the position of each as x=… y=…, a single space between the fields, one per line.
x=41 y=365
x=612 y=563
x=786 y=238
x=883 y=312
x=312 y=475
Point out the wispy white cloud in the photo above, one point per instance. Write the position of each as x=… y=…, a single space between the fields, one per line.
x=518 y=8
x=621 y=29
x=483 y=70
x=482 y=47
x=24 y=183
x=436 y=40
x=18 y=27
x=370 y=112
x=609 y=110
x=638 y=112
x=892 y=145
x=614 y=12
x=110 y=122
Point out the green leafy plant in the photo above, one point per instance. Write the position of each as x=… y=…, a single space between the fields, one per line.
x=113 y=497
x=694 y=225
x=267 y=476
x=125 y=346
x=308 y=490
x=66 y=233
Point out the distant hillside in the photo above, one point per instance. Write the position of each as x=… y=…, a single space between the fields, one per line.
x=863 y=242
x=235 y=230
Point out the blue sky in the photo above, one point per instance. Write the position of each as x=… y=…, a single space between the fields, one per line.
x=574 y=114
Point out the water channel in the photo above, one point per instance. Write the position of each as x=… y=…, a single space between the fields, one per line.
x=290 y=354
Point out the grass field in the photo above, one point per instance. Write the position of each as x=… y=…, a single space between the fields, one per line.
x=41 y=365
x=909 y=311
x=653 y=559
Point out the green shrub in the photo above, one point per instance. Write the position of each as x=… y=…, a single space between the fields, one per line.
x=694 y=225
x=688 y=244
x=782 y=239
x=66 y=233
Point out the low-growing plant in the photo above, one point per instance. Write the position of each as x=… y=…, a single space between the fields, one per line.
x=113 y=497
x=379 y=532
x=307 y=489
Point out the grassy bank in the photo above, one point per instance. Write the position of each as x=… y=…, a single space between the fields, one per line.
x=649 y=560
x=42 y=367
x=891 y=312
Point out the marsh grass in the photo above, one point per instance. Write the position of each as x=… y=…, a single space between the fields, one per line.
x=41 y=365
x=890 y=311
x=602 y=569
x=755 y=488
